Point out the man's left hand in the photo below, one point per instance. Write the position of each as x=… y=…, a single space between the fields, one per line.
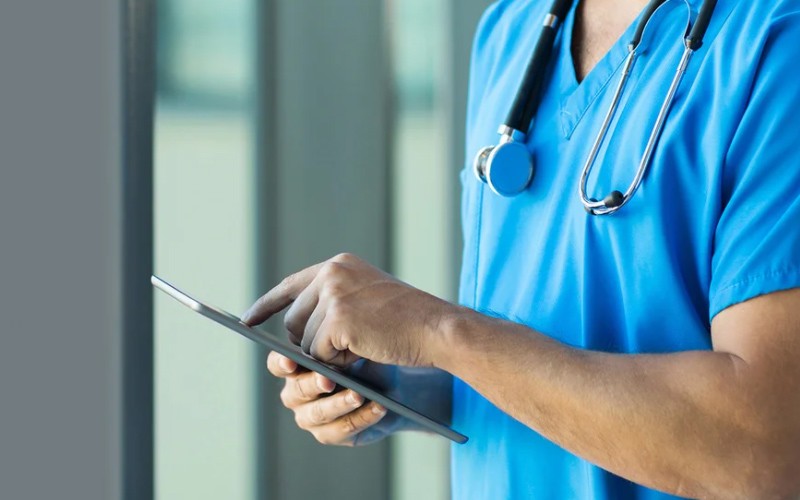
x=345 y=309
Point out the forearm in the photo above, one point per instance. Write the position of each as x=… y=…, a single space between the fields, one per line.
x=685 y=423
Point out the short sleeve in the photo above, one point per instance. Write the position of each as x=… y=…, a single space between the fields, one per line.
x=757 y=238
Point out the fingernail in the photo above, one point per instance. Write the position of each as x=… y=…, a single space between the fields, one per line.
x=378 y=410
x=245 y=317
x=286 y=364
x=323 y=384
x=354 y=398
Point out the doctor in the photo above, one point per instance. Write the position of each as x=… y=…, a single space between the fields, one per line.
x=649 y=352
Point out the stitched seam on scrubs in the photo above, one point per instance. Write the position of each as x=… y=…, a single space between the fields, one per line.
x=758 y=277
x=724 y=298
x=594 y=98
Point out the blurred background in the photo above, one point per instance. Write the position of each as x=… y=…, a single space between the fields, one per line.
x=224 y=144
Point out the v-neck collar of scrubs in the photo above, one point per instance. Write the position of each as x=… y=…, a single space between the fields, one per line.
x=576 y=97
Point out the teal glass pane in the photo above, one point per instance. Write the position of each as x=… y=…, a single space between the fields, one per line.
x=420 y=211
x=206 y=446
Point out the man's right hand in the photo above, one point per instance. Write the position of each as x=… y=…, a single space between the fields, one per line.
x=333 y=419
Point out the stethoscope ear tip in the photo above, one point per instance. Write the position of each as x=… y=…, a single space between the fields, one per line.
x=610 y=204
x=614 y=199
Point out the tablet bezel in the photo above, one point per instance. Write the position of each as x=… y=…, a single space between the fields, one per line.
x=294 y=353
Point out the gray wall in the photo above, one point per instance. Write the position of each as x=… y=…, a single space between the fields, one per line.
x=66 y=217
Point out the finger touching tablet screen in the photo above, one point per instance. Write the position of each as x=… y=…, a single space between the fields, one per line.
x=291 y=351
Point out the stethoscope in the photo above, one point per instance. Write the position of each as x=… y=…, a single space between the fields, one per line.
x=508 y=168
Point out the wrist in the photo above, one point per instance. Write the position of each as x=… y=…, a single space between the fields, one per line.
x=446 y=341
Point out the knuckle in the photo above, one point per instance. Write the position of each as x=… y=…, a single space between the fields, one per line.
x=336 y=288
x=336 y=311
x=331 y=291
x=349 y=424
x=298 y=420
x=290 y=322
x=323 y=438
x=287 y=281
x=330 y=270
x=316 y=414
x=301 y=389
x=285 y=397
x=315 y=350
x=306 y=343
x=345 y=258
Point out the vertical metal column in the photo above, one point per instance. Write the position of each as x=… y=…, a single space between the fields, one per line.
x=324 y=189
x=139 y=60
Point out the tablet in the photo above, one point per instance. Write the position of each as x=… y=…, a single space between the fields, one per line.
x=291 y=351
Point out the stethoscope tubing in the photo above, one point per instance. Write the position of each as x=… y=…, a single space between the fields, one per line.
x=520 y=119
x=521 y=114
x=589 y=204
x=693 y=41
x=604 y=207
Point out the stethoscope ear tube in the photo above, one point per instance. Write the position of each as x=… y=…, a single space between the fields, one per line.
x=525 y=103
x=644 y=19
x=521 y=114
x=695 y=39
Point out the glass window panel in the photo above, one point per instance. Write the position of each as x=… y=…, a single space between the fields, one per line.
x=205 y=242
x=420 y=463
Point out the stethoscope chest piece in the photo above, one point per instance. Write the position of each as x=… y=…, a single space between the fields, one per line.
x=506 y=168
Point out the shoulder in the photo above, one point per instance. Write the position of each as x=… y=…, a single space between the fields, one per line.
x=752 y=23
x=760 y=12
x=748 y=41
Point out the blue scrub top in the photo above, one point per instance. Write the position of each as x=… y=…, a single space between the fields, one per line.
x=716 y=221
